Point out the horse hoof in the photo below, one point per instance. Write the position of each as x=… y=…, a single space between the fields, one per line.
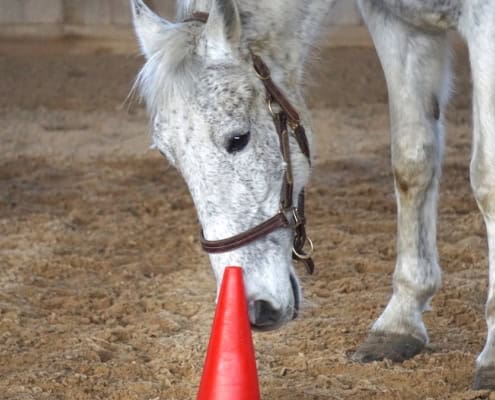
x=484 y=379
x=392 y=346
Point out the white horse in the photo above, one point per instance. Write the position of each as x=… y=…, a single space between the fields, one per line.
x=211 y=120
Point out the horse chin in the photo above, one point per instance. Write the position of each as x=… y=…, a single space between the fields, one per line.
x=274 y=327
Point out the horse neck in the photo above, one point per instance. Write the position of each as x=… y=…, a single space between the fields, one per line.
x=280 y=31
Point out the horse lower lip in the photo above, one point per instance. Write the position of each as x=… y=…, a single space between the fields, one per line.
x=266 y=328
x=295 y=291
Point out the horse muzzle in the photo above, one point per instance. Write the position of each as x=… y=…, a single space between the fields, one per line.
x=265 y=317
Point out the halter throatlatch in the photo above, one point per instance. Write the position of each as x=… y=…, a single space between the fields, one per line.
x=286 y=122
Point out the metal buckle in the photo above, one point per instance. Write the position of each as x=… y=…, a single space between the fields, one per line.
x=270 y=102
x=260 y=75
x=293 y=125
x=297 y=218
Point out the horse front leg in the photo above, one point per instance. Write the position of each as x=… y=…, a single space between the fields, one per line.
x=478 y=28
x=416 y=66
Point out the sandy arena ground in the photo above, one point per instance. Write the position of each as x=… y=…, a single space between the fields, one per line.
x=98 y=300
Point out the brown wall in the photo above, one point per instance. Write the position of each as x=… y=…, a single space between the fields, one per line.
x=76 y=12
x=49 y=15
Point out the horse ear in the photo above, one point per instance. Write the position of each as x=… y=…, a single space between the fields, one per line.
x=223 y=28
x=148 y=26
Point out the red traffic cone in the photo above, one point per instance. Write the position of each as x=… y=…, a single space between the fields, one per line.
x=230 y=367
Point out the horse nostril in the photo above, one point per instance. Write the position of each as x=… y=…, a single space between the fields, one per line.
x=265 y=315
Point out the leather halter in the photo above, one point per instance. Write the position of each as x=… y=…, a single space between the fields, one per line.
x=289 y=216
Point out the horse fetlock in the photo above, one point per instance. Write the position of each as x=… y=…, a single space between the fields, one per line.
x=486 y=358
x=416 y=282
x=484 y=377
x=402 y=316
x=418 y=293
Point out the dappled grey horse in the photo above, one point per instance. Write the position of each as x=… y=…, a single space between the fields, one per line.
x=239 y=143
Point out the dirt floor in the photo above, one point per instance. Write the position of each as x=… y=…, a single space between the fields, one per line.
x=99 y=301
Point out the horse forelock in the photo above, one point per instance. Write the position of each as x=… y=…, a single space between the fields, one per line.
x=169 y=72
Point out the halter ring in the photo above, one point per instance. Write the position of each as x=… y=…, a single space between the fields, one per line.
x=305 y=256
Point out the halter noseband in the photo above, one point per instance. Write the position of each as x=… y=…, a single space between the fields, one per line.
x=288 y=216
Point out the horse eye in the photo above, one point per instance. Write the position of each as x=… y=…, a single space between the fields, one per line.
x=238 y=142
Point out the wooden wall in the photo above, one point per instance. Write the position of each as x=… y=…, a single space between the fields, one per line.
x=44 y=13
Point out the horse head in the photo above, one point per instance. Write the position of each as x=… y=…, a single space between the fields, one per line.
x=211 y=121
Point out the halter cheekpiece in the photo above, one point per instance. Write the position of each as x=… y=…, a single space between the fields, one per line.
x=288 y=216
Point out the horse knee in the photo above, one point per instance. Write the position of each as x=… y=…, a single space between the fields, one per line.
x=414 y=166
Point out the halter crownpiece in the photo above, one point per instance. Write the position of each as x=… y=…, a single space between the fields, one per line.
x=288 y=216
